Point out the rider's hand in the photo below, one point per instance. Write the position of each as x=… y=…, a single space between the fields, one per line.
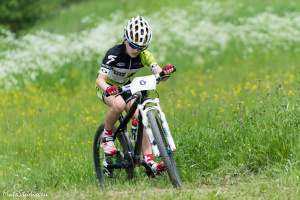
x=112 y=90
x=168 y=69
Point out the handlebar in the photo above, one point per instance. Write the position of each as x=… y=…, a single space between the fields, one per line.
x=125 y=88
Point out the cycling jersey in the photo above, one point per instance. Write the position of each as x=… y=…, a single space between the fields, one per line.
x=119 y=66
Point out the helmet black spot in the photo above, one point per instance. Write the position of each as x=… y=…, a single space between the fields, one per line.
x=131 y=34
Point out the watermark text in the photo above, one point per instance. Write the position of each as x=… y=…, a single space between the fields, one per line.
x=16 y=194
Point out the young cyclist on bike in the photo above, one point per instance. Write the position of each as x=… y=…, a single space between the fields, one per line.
x=118 y=65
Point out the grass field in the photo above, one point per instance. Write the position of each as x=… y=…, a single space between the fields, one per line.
x=233 y=105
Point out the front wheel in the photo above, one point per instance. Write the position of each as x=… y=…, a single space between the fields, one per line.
x=164 y=148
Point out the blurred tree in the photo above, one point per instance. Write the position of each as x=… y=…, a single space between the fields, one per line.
x=19 y=14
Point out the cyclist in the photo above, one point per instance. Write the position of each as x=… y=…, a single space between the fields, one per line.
x=118 y=65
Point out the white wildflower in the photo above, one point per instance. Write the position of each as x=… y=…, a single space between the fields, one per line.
x=188 y=33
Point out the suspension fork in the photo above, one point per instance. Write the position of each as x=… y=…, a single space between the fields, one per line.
x=149 y=131
x=164 y=124
x=166 y=128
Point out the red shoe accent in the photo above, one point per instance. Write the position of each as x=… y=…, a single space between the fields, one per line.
x=134 y=122
x=160 y=167
x=149 y=157
x=113 y=152
x=109 y=148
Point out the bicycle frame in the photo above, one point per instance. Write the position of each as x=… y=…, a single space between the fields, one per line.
x=135 y=155
x=152 y=121
x=142 y=104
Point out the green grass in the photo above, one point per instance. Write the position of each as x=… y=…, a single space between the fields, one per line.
x=247 y=187
x=89 y=13
x=70 y=20
x=48 y=128
x=234 y=117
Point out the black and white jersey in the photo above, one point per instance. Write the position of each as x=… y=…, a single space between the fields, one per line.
x=119 y=66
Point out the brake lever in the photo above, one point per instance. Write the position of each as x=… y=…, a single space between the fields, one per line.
x=120 y=93
x=162 y=77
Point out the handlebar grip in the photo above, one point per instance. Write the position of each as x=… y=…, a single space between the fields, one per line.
x=163 y=74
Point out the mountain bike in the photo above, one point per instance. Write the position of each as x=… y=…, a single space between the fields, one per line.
x=152 y=118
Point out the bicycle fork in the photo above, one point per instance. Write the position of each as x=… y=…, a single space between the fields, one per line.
x=165 y=126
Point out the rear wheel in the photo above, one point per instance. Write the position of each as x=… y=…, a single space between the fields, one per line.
x=164 y=148
x=102 y=162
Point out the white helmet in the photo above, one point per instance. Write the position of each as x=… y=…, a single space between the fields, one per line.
x=138 y=32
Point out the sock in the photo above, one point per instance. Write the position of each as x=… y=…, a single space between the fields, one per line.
x=107 y=133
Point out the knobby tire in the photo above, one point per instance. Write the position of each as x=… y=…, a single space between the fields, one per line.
x=165 y=152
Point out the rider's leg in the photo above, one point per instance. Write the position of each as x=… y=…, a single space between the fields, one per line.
x=116 y=106
x=146 y=145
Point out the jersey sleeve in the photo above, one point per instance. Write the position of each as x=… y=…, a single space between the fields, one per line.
x=148 y=59
x=108 y=62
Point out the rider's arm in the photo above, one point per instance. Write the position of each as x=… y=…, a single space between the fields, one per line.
x=101 y=81
x=156 y=69
x=148 y=60
x=105 y=68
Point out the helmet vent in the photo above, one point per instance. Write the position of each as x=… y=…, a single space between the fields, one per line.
x=131 y=34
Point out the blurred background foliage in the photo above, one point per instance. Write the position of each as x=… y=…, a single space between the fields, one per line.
x=16 y=15
x=233 y=105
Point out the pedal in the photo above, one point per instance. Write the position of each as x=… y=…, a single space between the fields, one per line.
x=119 y=157
x=161 y=167
x=107 y=161
x=149 y=171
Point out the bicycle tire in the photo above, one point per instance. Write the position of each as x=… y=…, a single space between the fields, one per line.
x=125 y=145
x=165 y=152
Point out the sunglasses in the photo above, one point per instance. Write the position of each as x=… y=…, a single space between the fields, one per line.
x=134 y=46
